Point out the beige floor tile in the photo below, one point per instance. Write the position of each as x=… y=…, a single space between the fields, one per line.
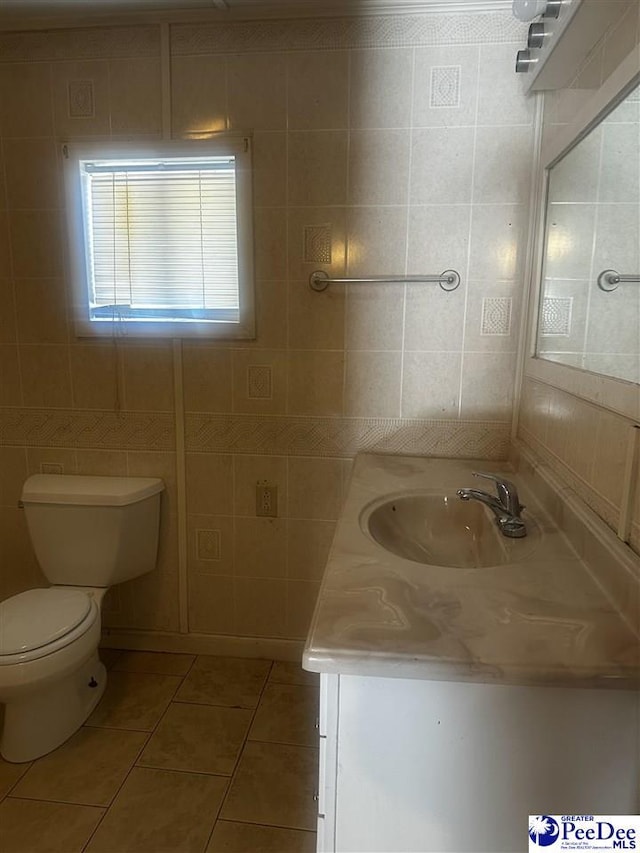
x=158 y=811
x=158 y=663
x=134 y=700
x=229 y=837
x=288 y=672
x=234 y=682
x=9 y=775
x=200 y=738
x=274 y=784
x=109 y=656
x=287 y=713
x=88 y=769
x=29 y=826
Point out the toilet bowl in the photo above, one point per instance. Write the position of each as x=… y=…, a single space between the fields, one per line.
x=50 y=675
x=51 y=678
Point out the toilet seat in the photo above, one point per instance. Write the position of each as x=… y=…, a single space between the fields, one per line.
x=39 y=622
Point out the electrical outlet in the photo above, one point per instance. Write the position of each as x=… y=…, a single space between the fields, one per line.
x=266 y=500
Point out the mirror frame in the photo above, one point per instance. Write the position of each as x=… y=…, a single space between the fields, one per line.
x=616 y=394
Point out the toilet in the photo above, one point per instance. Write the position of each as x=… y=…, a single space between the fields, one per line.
x=88 y=533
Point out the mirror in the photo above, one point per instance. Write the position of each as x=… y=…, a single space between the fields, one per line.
x=590 y=297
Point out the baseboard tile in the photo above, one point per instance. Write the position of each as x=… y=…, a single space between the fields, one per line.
x=203 y=644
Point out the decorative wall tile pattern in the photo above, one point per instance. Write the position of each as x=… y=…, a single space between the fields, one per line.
x=290 y=436
x=259 y=382
x=81 y=103
x=344 y=33
x=555 y=317
x=496 y=315
x=445 y=86
x=90 y=43
x=317 y=244
x=208 y=544
x=104 y=430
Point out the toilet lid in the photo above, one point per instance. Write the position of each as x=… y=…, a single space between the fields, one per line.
x=38 y=617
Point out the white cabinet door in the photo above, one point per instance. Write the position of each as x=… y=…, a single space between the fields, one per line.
x=436 y=766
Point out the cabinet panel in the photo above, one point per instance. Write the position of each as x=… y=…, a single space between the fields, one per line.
x=436 y=766
x=328 y=740
x=328 y=713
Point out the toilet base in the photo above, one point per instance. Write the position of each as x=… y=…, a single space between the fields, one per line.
x=44 y=718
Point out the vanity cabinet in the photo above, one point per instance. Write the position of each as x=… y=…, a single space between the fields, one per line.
x=457 y=700
x=419 y=765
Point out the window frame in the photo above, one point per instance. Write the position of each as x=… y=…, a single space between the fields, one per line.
x=233 y=144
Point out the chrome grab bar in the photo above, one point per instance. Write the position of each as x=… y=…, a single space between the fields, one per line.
x=609 y=280
x=448 y=280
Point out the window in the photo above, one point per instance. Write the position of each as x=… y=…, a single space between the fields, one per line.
x=161 y=238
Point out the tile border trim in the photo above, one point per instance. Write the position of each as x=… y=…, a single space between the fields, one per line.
x=268 y=435
x=87 y=429
x=344 y=437
x=386 y=31
x=87 y=43
x=105 y=41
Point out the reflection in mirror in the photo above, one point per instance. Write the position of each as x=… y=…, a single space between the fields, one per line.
x=593 y=226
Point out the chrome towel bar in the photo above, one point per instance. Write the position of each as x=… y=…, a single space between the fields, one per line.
x=609 y=280
x=448 y=280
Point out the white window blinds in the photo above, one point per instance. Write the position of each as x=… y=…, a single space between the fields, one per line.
x=161 y=239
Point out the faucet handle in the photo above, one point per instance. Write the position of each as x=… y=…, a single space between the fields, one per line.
x=507 y=492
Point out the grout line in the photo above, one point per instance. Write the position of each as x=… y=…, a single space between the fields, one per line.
x=283 y=743
x=18 y=780
x=347 y=289
x=407 y=207
x=16 y=343
x=115 y=795
x=592 y=252
x=165 y=71
x=267 y=825
x=178 y=378
x=287 y=247
x=182 y=771
x=149 y=735
x=234 y=534
x=240 y=752
x=359 y=205
x=105 y=809
x=287 y=826
x=181 y=486
x=469 y=230
x=69 y=309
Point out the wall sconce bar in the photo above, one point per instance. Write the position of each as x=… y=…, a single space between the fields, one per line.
x=448 y=280
x=609 y=280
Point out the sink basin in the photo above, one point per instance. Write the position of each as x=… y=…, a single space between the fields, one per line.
x=441 y=530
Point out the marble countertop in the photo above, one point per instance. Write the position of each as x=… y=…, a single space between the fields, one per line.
x=542 y=620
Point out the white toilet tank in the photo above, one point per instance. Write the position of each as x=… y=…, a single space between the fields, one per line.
x=93 y=531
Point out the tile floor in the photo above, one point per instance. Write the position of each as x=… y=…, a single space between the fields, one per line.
x=183 y=754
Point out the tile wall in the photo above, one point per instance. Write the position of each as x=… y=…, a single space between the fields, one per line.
x=583 y=442
x=381 y=145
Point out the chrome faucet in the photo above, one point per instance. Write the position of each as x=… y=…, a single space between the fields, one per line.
x=505 y=504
